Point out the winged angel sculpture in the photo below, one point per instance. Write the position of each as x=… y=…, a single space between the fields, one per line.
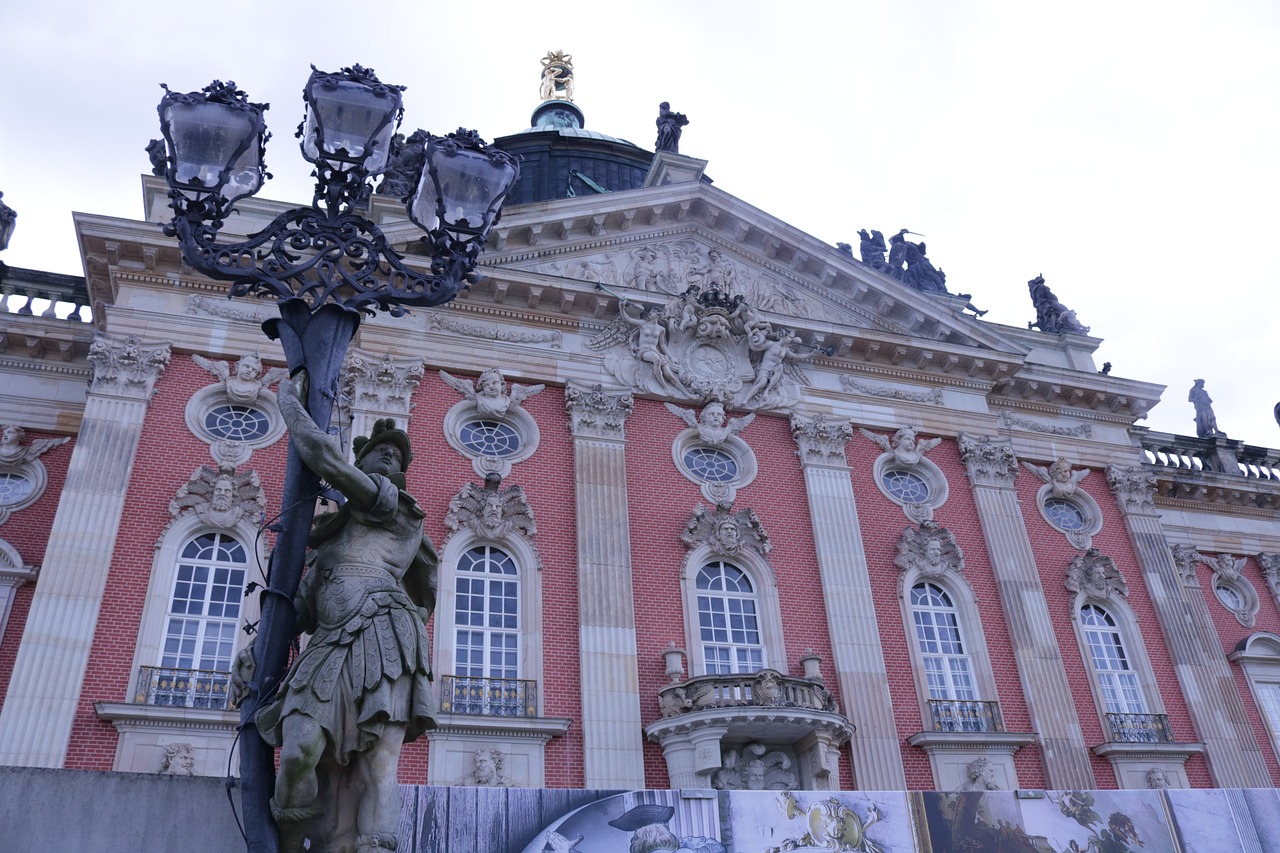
x=713 y=426
x=249 y=380
x=490 y=392
x=13 y=452
x=905 y=447
x=1061 y=479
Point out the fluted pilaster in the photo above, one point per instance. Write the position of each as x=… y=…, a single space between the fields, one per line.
x=992 y=468
x=1231 y=745
x=613 y=748
x=35 y=723
x=846 y=584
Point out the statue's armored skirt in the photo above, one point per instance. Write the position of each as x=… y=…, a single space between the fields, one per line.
x=368 y=664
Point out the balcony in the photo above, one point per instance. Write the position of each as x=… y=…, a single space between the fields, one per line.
x=1139 y=728
x=182 y=688
x=766 y=688
x=489 y=697
x=964 y=715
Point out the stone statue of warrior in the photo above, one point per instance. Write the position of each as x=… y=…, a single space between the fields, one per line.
x=359 y=690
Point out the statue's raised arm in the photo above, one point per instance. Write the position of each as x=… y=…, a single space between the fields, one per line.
x=323 y=453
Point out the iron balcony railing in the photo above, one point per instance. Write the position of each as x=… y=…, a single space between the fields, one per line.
x=489 y=697
x=965 y=715
x=182 y=688
x=1139 y=728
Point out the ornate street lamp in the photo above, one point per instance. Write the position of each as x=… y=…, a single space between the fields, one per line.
x=325 y=264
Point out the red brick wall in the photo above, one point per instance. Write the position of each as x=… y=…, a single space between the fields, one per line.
x=663 y=500
x=27 y=530
x=547 y=478
x=1231 y=632
x=882 y=524
x=167 y=456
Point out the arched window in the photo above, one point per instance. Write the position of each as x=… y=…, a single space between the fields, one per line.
x=200 y=632
x=947 y=667
x=1117 y=680
x=728 y=620
x=487 y=615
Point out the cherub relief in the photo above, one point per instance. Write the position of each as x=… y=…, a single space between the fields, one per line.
x=713 y=427
x=776 y=355
x=1061 y=479
x=490 y=392
x=905 y=447
x=651 y=343
x=14 y=452
x=249 y=380
x=755 y=768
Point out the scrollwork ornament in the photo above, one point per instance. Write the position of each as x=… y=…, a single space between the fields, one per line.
x=820 y=440
x=1133 y=487
x=989 y=462
x=1096 y=576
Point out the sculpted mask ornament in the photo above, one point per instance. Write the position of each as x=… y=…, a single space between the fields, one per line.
x=755 y=768
x=1061 y=479
x=981 y=776
x=713 y=427
x=221 y=498
x=489 y=511
x=930 y=550
x=179 y=760
x=1096 y=576
x=726 y=531
x=489 y=769
x=906 y=448
x=490 y=392
x=246 y=382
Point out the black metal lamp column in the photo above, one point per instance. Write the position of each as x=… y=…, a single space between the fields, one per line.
x=325 y=264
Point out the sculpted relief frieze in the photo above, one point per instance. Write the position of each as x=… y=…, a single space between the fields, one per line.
x=674 y=266
x=705 y=345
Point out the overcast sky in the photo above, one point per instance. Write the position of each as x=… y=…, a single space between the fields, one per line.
x=1126 y=150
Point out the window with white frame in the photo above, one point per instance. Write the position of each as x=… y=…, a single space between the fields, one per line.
x=487 y=614
x=728 y=620
x=947 y=667
x=200 y=632
x=1259 y=656
x=1117 y=680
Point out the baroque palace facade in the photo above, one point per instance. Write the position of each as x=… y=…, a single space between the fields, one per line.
x=718 y=506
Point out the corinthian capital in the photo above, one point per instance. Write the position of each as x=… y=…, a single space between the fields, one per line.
x=990 y=462
x=596 y=413
x=381 y=383
x=126 y=366
x=820 y=440
x=1133 y=487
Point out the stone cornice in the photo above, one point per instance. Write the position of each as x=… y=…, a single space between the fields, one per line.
x=533 y=728
x=1009 y=742
x=1149 y=751
x=126 y=716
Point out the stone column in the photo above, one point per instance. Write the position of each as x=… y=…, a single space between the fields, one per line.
x=992 y=468
x=35 y=723
x=379 y=386
x=613 y=747
x=1235 y=758
x=851 y=616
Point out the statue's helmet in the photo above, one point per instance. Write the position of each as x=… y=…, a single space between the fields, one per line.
x=385 y=430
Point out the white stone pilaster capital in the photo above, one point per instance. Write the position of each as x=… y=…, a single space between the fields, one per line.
x=596 y=413
x=126 y=367
x=1134 y=488
x=820 y=442
x=381 y=383
x=990 y=462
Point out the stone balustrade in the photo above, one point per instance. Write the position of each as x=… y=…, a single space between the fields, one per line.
x=764 y=689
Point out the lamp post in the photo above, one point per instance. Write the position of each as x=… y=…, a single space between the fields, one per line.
x=325 y=264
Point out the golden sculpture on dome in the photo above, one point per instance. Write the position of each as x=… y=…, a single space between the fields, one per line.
x=557 y=76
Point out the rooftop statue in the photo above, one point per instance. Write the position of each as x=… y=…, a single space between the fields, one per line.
x=873 y=249
x=557 y=76
x=1206 y=420
x=1051 y=315
x=920 y=272
x=670 y=125
x=360 y=688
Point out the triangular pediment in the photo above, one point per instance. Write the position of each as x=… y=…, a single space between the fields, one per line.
x=650 y=244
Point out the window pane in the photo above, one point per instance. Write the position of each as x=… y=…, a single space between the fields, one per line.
x=207 y=590
x=947 y=669
x=487 y=601
x=727 y=620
